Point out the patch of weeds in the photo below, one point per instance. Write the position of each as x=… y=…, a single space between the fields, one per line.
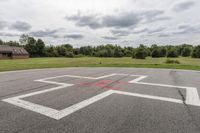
x=170 y=61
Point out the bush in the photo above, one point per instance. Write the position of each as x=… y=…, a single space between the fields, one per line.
x=172 y=53
x=140 y=53
x=186 y=52
x=155 y=53
x=196 y=52
x=168 y=61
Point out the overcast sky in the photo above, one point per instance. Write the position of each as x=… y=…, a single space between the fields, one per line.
x=93 y=22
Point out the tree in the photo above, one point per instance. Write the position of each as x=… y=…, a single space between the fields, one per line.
x=128 y=51
x=145 y=50
x=163 y=52
x=172 y=53
x=23 y=39
x=186 y=52
x=76 y=51
x=62 y=51
x=86 y=50
x=140 y=53
x=40 y=47
x=50 y=51
x=196 y=52
x=1 y=42
x=180 y=49
x=68 y=47
x=118 y=52
x=31 y=47
x=155 y=53
x=69 y=54
x=11 y=43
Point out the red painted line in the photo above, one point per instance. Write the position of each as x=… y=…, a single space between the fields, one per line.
x=105 y=84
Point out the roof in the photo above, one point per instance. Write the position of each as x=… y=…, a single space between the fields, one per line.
x=13 y=50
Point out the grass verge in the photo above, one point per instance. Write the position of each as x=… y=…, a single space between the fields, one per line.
x=37 y=63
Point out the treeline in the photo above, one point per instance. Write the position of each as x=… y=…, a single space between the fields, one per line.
x=37 y=48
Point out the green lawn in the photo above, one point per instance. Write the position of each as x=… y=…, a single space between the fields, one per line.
x=34 y=63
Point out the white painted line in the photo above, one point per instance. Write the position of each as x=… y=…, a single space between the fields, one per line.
x=106 y=76
x=31 y=106
x=137 y=79
x=192 y=97
x=149 y=96
x=80 y=105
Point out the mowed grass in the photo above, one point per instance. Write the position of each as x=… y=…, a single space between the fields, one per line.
x=36 y=63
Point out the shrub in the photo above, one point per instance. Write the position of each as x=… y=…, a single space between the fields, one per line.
x=140 y=53
x=172 y=53
x=169 y=61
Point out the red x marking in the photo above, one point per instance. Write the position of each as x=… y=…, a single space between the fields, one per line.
x=105 y=84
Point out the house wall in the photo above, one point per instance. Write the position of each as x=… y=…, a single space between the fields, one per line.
x=20 y=56
x=14 y=56
x=4 y=57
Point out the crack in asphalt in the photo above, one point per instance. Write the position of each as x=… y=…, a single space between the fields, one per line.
x=174 y=76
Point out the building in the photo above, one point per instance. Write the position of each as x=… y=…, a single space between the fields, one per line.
x=11 y=52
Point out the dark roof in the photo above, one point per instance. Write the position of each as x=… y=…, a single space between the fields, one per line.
x=13 y=50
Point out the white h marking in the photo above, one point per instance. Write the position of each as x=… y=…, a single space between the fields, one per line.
x=192 y=97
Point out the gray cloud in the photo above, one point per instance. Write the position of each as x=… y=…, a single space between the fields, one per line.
x=74 y=36
x=120 y=32
x=117 y=21
x=164 y=35
x=187 y=29
x=91 y=21
x=110 y=38
x=123 y=20
x=161 y=18
x=21 y=26
x=149 y=31
x=183 y=6
x=154 y=16
x=45 y=33
x=128 y=32
x=150 y=15
x=140 y=31
x=3 y=24
x=8 y=34
x=156 y=30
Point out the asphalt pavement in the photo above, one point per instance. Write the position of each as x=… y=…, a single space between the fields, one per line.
x=100 y=100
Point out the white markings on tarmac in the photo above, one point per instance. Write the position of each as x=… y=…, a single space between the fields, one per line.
x=192 y=97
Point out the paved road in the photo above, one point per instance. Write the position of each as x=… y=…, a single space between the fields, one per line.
x=100 y=100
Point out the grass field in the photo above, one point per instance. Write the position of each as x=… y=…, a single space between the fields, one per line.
x=35 y=63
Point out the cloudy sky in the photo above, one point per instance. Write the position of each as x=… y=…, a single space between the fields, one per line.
x=93 y=22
